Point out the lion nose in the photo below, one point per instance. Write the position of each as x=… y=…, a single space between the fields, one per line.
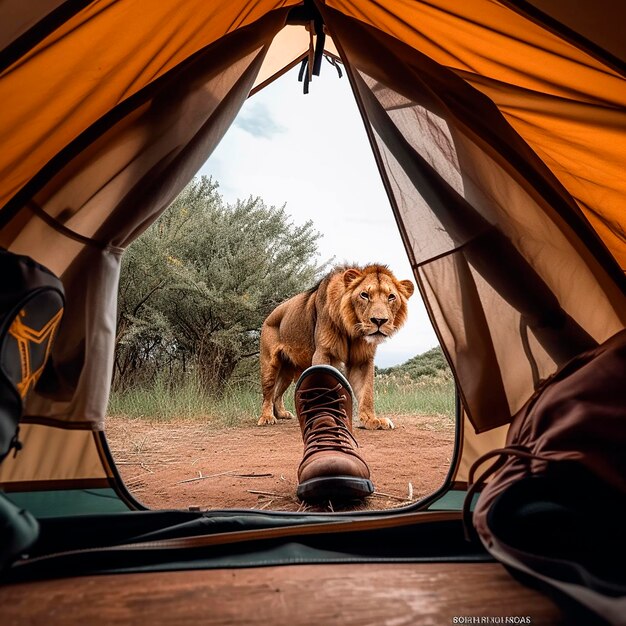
x=379 y=321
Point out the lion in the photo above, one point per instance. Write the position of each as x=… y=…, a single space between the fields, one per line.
x=339 y=322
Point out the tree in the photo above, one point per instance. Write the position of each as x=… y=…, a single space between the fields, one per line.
x=197 y=285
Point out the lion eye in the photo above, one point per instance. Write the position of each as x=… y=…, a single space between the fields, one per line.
x=365 y=295
x=392 y=297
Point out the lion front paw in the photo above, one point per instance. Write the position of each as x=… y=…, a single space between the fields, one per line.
x=284 y=415
x=266 y=420
x=377 y=423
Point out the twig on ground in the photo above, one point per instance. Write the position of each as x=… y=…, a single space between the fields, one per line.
x=267 y=504
x=410 y=492
x=268 y=493
x=330 y=506
x=155 y=462
x=133 y=483
x=201 y=477
x=253 y=475
x=380 y=494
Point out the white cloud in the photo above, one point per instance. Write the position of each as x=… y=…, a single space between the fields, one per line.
x=258 y=121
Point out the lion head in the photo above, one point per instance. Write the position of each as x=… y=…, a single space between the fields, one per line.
x=374 y=304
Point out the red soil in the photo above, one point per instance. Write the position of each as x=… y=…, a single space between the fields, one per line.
x=187 y=463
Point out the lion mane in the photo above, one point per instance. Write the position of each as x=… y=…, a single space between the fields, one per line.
x=339 y=322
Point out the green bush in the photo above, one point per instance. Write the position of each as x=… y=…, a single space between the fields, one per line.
x=197 y=285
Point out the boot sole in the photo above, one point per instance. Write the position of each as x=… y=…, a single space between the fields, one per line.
x=335 y=488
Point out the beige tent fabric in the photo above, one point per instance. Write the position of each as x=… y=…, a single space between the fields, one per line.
x=290 y=45
x=53 y=454
x=108 y=193
x=472 y=446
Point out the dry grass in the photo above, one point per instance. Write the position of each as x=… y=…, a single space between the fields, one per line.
x=239 y=405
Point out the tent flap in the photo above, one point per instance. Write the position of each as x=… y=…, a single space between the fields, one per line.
x=97 y=199
x=507 y=279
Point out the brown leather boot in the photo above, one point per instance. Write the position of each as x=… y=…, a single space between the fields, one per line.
x=331 y=468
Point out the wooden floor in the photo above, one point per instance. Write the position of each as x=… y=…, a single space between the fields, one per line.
x=424 y=594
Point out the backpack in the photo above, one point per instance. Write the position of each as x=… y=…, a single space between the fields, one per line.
x=31 y=307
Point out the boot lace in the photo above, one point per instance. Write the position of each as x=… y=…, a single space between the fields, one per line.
x=324 y=402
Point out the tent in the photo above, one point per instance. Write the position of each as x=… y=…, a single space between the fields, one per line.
x=498 y=131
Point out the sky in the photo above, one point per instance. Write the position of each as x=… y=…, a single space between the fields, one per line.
x=311 y=153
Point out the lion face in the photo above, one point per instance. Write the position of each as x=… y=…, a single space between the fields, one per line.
x=375 y=302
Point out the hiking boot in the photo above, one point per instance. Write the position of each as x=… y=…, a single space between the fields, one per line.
x=331 y=468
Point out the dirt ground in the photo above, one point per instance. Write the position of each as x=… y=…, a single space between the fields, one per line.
x=185 y=464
